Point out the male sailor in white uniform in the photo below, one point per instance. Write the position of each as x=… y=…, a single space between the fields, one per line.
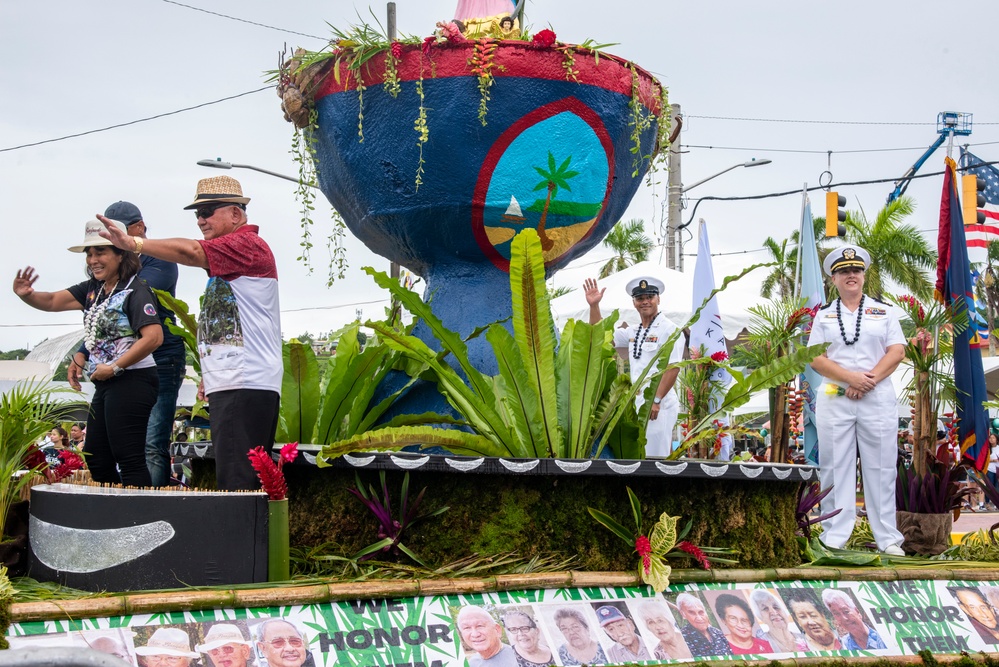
x=638 y=344
x=856 y=409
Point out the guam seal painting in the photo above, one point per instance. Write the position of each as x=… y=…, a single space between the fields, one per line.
x=551 y=170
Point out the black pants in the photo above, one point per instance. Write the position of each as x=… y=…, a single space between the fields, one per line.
x=241 y=420
x=116 y=427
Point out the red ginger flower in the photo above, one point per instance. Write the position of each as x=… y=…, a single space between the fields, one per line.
x=644 y=549
x=397 y=50
x=270 y=475
x=719 y=356
x=35 y=458
x=544 y=38
x=695 y=551
x=288 y=454
x=69 y=462
x=427 y=43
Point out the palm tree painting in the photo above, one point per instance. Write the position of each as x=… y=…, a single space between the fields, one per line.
x=552 y=180
x=554 y=176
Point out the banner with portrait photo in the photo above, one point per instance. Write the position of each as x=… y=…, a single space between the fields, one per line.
x=563 y=627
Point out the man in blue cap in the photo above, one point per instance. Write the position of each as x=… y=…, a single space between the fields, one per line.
x=628 y=646
x=170 y=357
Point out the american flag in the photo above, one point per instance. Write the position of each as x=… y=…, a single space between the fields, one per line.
x=979 y=236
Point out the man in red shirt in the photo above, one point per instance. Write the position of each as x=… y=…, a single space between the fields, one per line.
x=239 y=329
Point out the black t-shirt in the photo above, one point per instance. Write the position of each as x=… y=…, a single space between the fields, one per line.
x=121 y=315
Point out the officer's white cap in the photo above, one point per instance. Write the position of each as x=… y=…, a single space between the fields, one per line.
x=846 y=256
x=645 y=285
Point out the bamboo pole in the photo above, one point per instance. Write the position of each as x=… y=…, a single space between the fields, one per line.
x=189 y=600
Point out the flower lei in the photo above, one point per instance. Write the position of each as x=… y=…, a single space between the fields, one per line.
x=93 y=315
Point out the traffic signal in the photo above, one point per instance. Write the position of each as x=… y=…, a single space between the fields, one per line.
x=972 y=199
x=834 y=214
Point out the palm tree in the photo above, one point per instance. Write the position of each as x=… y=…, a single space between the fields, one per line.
x=632 y=246
x=899 y=253
x=556 y=177
x=781 y=277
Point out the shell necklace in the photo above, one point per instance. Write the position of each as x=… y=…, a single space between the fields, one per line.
x=93 y=314
x=637 y=352
x=860 y=316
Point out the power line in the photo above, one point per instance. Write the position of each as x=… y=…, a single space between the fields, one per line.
x=236 y=18
x=816 y=122
x=819 y=152
x=133 y=122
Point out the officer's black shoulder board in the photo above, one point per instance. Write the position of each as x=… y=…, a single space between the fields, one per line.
x=877 y=301
x=825 y=306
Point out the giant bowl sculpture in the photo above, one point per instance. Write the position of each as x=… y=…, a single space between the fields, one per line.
x=560 y=151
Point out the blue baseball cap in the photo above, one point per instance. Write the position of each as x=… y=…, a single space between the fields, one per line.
x=608 y=614
x=124 y=211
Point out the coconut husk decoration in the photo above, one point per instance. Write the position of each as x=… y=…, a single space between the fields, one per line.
x=295 y=87
x=925 y=534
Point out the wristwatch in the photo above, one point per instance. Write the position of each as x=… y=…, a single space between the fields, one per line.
x=657 y=400
x=118 y=370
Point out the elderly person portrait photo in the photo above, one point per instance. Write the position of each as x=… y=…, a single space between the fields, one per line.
x=657 y=618
x=580 y=647
x=166 y=647
x=525 y=637
x=738 y=619
x=979 y=611
x=226 y=646
x=855 y=633
x=628 y=646
x=482 y=637
x=281 y=644
x=773 y=621
x=703 y=639
x=812 y=618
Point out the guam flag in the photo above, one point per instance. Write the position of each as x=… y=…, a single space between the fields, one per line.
x=954 y=289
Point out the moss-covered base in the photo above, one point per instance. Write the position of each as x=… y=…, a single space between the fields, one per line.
x=537 y=515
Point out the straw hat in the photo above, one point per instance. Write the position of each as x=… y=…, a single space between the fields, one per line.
x=92 y=235
x=221 y=634
x=168 y=641
x=218 y=189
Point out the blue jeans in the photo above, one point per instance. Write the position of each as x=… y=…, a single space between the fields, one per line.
x=160 y=428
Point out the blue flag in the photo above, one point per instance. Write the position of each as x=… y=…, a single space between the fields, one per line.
x=813 y=290
x=954 y=289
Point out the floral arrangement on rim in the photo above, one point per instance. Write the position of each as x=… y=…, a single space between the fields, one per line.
x=270 y=474
x=661 y=542
x=699 y=386
x=69 y=462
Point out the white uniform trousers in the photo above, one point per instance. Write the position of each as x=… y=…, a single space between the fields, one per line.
x=870 y=425
x=659 y=433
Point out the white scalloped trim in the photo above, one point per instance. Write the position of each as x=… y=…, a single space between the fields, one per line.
x=464 y=466
x=751 y=471
x=310 y=458
x=672 y=469
x=184 y=449
x=782 y=474
x=805 y=474
x=201 y=451
x=409 y=464
x=513 y=466
x=358 y=461
x=623 y=469
x=713 y=471
x=573 y=466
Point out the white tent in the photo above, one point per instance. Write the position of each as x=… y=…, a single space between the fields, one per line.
x=675 y=301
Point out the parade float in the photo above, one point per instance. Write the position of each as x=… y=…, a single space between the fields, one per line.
x=484 y=164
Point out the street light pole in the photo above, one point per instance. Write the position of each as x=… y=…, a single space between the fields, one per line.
x=749 y=163
x=218 y=163
x=675 y=189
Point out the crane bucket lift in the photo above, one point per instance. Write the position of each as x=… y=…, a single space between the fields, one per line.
x=949 y=124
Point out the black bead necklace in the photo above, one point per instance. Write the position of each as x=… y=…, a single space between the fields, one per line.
x=839 y=318
x=637 y=353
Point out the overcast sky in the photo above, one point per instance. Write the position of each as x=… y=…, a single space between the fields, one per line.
x=881 y=70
